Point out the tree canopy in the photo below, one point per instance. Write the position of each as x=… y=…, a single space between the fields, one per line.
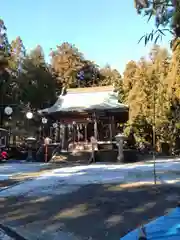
x=150 y=86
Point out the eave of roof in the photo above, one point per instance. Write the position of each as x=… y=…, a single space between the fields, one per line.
x=87 y=99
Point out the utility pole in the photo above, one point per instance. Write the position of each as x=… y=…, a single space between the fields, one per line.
x=154 y=136
x=154 y=123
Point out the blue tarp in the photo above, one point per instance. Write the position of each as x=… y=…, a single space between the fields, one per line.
x=165 y=227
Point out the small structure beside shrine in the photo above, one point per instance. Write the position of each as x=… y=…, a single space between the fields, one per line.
x=4 y=138
x=82 y=113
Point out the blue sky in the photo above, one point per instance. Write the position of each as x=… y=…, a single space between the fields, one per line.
x=106 y=31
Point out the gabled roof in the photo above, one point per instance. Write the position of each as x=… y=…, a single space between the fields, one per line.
x=84 y=99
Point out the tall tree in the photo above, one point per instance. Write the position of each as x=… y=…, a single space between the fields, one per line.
x=129 y=78
x=135 y=94
x=158 y=70
x=66 y=61
x=37 y=57
x=146 y=91
x=4 y=53
x=5 y=89
x=18 y=53
x=173 y=78
x=92 y=75
x=112 y=77
x=173 y=86
x=36 y=83
x=4 y=44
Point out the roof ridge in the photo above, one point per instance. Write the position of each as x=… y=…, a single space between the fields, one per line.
x=91 y=89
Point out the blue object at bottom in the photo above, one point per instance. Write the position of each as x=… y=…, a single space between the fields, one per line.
x=165 y=227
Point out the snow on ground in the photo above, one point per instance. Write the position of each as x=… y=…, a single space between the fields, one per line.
x=4 y=236
x=5 y=176
x=68 y=179
x=7 y=170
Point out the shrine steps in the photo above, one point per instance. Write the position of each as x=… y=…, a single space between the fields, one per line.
x=101 y=156
x=79 y=157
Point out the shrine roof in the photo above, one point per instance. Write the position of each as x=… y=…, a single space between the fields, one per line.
x=87 y=99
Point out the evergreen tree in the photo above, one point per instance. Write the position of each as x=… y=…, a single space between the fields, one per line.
x=66 y=61
x=4 y=45
x=36 y=84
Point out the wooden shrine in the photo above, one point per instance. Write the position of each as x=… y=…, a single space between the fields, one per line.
x=81 y=113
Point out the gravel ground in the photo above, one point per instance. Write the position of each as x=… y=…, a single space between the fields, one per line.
x=99 y=212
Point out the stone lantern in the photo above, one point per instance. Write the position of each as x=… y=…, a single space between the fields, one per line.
x=119 y=142
x=30 y=143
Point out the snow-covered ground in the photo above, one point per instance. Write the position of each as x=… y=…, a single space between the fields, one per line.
x=7 y=170
x=4 y=236
x=68 y=179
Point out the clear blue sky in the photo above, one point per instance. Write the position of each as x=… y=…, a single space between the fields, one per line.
x=106 y=31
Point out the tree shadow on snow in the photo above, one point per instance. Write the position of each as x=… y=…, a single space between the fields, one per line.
x=107 y=211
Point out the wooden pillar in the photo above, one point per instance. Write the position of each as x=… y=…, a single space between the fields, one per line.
x=73 y=133
x=78 y=133
x=65 y=137
x=59 y=132
x=62 y=132
x=95 y=127
x=113 y=126
x=85 y=132
x=110 y=128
